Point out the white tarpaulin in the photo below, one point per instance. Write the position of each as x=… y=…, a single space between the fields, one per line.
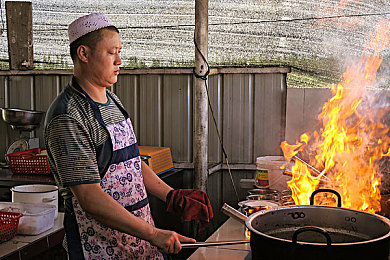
x=243 y=33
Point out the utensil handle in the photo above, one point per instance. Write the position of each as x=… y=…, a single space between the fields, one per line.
x=235 y=214
x=215 y=243
x=313 y=229
x=308 y=165
x=48 y=199
x=326 y=190
x=27 y=156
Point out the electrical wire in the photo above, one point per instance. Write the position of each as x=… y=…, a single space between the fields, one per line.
x=261 y=21
x=235 y=23
x=204 y=78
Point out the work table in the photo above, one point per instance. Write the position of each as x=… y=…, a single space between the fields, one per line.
x=25 y=247
x=230 y=230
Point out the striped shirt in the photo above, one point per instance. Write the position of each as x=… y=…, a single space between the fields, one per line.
x=79 y=148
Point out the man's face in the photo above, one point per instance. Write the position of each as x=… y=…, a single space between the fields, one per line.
x=104 y=61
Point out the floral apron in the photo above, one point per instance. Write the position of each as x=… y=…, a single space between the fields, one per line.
x=123 y=181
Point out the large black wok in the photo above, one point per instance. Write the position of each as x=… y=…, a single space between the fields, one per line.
x=318 y=232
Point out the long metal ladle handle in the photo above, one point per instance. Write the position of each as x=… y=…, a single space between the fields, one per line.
x=311 y=167
x=216 y=243
x=231 y=212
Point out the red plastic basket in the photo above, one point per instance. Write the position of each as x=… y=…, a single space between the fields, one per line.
x=29 y=162
x=9 y=222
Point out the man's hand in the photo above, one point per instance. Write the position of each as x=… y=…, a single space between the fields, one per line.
x=169 y=241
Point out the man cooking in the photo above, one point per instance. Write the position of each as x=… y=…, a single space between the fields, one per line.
x=93 y=153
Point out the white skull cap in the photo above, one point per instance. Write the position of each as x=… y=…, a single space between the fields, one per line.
x=87 y=24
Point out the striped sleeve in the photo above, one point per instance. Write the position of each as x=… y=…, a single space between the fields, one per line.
x=72 y=151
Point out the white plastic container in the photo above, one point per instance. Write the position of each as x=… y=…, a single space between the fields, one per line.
x=36 y=193
x=268 y=169
x=37 y=218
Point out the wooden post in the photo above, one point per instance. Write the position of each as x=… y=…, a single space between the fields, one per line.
x=20 y=35
x=201 y=105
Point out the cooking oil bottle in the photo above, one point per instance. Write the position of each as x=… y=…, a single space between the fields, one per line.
x=262 y=178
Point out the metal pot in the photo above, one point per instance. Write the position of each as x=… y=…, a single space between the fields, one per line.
x=263 y=192
x=318 y=232
x=315 y=232
x=36 y=193
x=19 y=117
x=248 y=207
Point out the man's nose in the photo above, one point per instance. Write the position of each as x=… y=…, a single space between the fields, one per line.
x=118 y=60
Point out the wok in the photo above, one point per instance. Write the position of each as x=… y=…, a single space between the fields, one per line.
x=21 y=117
x=317 y=232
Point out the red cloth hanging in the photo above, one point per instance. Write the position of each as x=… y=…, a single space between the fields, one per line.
x=189 y=204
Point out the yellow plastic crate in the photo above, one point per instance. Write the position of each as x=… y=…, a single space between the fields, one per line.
x=160 y=158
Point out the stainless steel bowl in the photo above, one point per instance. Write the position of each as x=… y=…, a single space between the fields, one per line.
x=263 y=191
x=24 y=127
x=272 y=196
x=21 y=117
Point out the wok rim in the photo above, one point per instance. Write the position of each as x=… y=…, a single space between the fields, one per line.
x=248 y=224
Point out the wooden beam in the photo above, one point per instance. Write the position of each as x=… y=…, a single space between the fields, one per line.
x=200 y=100
x=154 y=71
x=19 y=33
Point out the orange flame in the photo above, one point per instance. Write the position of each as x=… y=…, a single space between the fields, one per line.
x=351 y=142
x=247 y=233
x=250 y=211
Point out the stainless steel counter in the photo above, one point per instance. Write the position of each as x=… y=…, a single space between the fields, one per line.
x=230 y=230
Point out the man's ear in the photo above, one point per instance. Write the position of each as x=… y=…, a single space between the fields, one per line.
x=83 y=53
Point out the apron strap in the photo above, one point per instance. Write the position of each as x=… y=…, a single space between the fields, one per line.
x=124 y=112
x=140 y=204
x=73 y=240
x=95 y=109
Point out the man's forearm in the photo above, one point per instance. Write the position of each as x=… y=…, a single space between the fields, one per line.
x=107 y=211
x=153 y=183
